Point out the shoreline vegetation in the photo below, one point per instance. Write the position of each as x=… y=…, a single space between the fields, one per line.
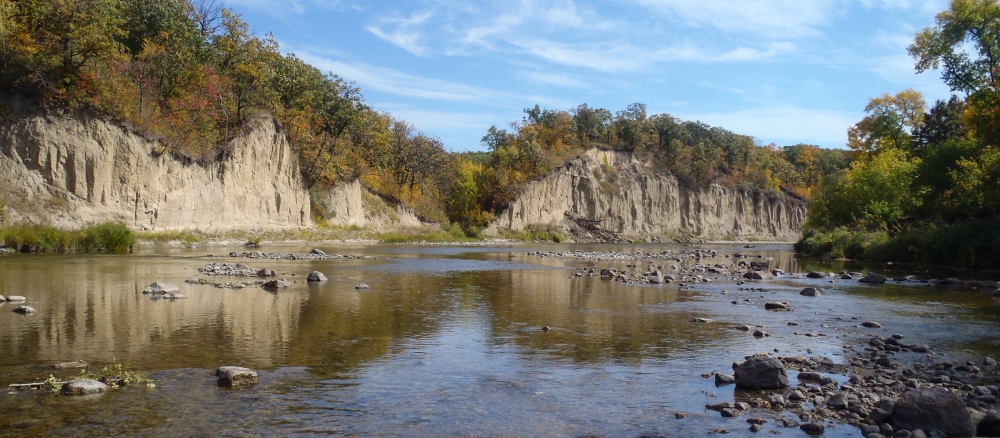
x=924 y=184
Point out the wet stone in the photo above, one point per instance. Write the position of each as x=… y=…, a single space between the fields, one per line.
x=760 y=372
x=811 y=292
x=160 y=288
x=276 y=284
x=316 y=277
x=83 y=387
x=813 y=428
x=362 y=286
x=24 y=310
x=16 y=298
x=231 y=377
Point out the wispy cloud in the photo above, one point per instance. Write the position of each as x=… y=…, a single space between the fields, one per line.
x=772 y=18
x=557 y=79
x=404 y=32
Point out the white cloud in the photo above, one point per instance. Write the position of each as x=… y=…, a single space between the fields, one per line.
x=404 y=33
x=402 y=84
x=772 y=18
x=548 y=78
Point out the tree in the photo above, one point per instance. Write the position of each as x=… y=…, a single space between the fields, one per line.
x=943 y=122
x=966 y=24
x=889 y=123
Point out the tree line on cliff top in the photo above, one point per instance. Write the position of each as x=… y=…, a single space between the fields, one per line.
x=925 y=184
x=191 y=75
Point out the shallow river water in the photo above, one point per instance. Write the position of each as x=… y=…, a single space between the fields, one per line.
x=447 y=342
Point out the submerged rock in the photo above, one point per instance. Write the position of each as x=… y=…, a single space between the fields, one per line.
x=68 y=365
x=760 y=372
x=83 y=387
x=933 y=408
x=316 y=276
x=160 y=288
x=24 y=310
x=232 y=377
x=873 y=279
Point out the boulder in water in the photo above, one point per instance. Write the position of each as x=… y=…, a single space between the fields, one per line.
x=276 y=284
x=362 y=286
x=873 y=279
x=83 y=387
x=811 y=292
x=316 y=277
x=16 y=298
x=760 y=372
x=232 y=377
x=24 y=310
x=758 y=275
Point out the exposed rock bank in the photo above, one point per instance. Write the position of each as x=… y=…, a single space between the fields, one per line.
x=589 y=200
x=70 y=172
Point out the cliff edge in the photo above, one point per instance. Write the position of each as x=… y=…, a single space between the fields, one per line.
x=601 y=195
x=69 y=172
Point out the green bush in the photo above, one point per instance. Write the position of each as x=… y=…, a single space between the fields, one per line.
x=973 y=244
x=107 y=237
x=840 y=242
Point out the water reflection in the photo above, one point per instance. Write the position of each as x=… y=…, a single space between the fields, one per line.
x=446 y=341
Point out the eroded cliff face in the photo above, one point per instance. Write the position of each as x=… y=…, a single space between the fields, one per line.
x=70 y=172
x=636 y=203
x=351 y=204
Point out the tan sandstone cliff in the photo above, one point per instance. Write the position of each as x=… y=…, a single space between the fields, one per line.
x=644 y=205
x=70 y=172
x=349 y=204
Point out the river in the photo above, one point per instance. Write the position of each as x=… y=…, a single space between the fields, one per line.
x=448 y=341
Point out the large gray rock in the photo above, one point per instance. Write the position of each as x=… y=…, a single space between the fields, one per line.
x=160 y=288
x=815 y=274
x=873 y=279
x=316 y=276
x=811 y=292
x=276 y=284
x=933 y=408
x=24 y=310
x=760 y=372
x=83 y=387
x=838 y=401
x=232 y=377
x=758 y=275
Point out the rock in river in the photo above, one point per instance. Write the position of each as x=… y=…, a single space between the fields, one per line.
x=83 y=387
x=317 y=252
x=758 y=275
x=815 y=274
x=760 y=372
x=838 y=401
x=24 y=310
x=778 y=305
x=724 y=379
x=362 y=286
x=316 y=277
x=232 y=377
x=811 y=292
x=276 y=284
x=160 y=288
x=873 y=279
x=933 y=408
x=15 y=298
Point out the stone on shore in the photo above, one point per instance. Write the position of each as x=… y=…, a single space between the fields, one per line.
x=933 y=408
x=233 y=377
x=160 y=288
x=758 y=275
x=811 y=292
x=657 y=278
x=83 y=387
x=280 y=283
x=316 y=277
x=813 y=428
x=760 y=372
x=989 y=425
x=873 y=279
x=24 y=310
x=838 y=401
x=16 y=298
x=317 y=252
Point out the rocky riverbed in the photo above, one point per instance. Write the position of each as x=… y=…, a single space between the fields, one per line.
x=883 y=385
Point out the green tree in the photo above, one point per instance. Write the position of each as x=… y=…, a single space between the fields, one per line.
x=889 y=123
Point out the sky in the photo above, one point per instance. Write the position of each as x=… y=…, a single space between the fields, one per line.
x=783 y=71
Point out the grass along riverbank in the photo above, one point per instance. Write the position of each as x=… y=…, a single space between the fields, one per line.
x=108 y=237
x=973 y=244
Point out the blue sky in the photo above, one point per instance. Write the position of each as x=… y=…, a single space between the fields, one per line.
x=783 y=71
